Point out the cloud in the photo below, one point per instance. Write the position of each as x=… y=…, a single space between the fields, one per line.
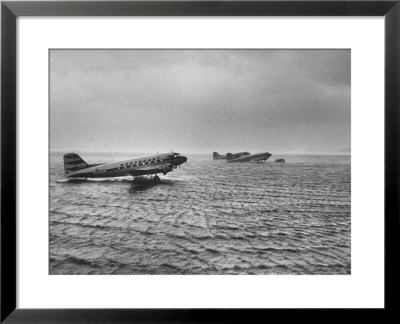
x=200 y=99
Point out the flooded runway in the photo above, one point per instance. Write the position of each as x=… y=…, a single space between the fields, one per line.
x=209 y=217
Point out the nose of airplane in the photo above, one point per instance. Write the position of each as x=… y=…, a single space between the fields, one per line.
x=180 y=160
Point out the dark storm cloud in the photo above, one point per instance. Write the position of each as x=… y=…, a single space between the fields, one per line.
x=200 y=100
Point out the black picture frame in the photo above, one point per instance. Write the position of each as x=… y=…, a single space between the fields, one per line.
x=10 y=10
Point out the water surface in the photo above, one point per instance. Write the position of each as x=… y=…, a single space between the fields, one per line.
x=209 y=217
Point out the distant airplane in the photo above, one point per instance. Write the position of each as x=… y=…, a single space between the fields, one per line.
x=231 y=156
x=217 y=156
x=251 y=158
x=76 y=167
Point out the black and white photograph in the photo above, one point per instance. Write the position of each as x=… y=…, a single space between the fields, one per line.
x=200 y=162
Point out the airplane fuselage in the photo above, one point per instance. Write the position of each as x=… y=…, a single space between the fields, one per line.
x=231 y=156
x=153 y=164
x=251 y=158
x=228 y=156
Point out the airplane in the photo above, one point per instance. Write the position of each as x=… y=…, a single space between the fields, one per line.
x=76 y=167
x=217 y=156
x=231 y=156
x=251 y=158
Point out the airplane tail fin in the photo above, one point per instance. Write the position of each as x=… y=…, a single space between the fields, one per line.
x=73 y=162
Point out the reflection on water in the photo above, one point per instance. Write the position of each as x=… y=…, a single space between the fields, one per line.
x=209 y=217
x=146 y=183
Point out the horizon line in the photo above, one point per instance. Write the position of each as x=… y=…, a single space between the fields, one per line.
x=194 y=153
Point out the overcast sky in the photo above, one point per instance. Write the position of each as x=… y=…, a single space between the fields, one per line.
x=200 y=101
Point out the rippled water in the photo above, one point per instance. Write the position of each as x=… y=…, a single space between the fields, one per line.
x=209 y=217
